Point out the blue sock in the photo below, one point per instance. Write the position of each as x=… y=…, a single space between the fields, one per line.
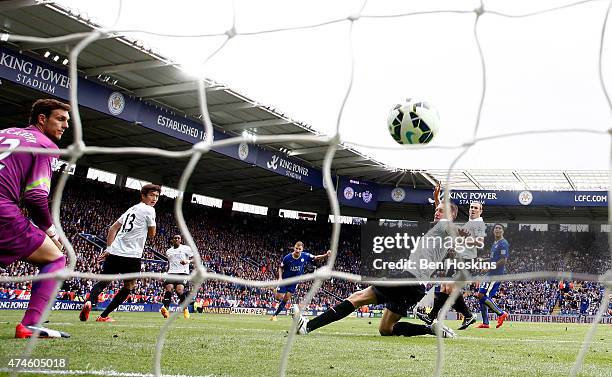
x=281 y=306
x=484 y=311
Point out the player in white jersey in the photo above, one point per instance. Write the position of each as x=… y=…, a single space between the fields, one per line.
x=179 y=257
x=126 y=240
x=476 y=229
x=475 y=232
x=398 y=299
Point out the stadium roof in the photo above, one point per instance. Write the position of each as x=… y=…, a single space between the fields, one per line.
x=127 y=66
x=124 y=64
x=570 y=180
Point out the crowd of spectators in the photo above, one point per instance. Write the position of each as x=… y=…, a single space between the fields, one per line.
x=555 y=251
x=252 y=246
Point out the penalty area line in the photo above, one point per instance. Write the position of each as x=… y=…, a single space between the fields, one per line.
x=104 y=372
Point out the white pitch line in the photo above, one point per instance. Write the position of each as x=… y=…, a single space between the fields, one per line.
x=526 y=340
x=353 y=334
x=137 y=326
x=105 y=372
x=461 y=337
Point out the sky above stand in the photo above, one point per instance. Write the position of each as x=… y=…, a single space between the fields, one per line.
x=541 y=71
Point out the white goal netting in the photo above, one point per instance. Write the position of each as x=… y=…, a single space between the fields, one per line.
x=78 y=149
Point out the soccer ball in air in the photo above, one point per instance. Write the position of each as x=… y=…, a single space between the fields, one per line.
x=413 y=122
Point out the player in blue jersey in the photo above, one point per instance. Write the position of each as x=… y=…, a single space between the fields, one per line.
x=584 y=307
x=499 y=254
x=293 y=264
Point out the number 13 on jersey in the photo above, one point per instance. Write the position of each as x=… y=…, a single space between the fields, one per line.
x=128 y=224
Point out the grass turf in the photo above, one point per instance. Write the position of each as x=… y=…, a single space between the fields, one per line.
x=237 y=345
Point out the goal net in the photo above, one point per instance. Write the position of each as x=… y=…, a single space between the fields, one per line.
x=348 y=24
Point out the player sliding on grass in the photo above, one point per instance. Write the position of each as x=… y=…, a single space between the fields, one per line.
x=126 y=239
x=476 y=230
x=26 y=178
x=488 y=289
x=293 y=265
x=398 y=299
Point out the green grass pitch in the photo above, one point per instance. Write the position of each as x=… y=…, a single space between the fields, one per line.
x=235 y=345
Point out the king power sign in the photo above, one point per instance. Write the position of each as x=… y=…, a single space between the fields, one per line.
x=278 y=164
x=498 y=198
x=36 y=76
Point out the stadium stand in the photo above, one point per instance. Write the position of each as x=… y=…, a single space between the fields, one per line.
x=251 y=247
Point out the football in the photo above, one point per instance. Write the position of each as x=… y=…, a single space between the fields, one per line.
x=413 y=122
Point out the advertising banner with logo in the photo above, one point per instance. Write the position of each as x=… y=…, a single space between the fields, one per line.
x=78 y=305
x=166 y=122
x=361 y=194
x=552 y=318
x=38 y=75
x=535 y=318
x=135 y=307
x=499 y=198
x=281 y=164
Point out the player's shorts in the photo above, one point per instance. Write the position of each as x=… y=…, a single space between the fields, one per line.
x=489 y=288
x=115 y=264
x=175 y=282
x=286 y=288
x=19 y=238
x=399 y=299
